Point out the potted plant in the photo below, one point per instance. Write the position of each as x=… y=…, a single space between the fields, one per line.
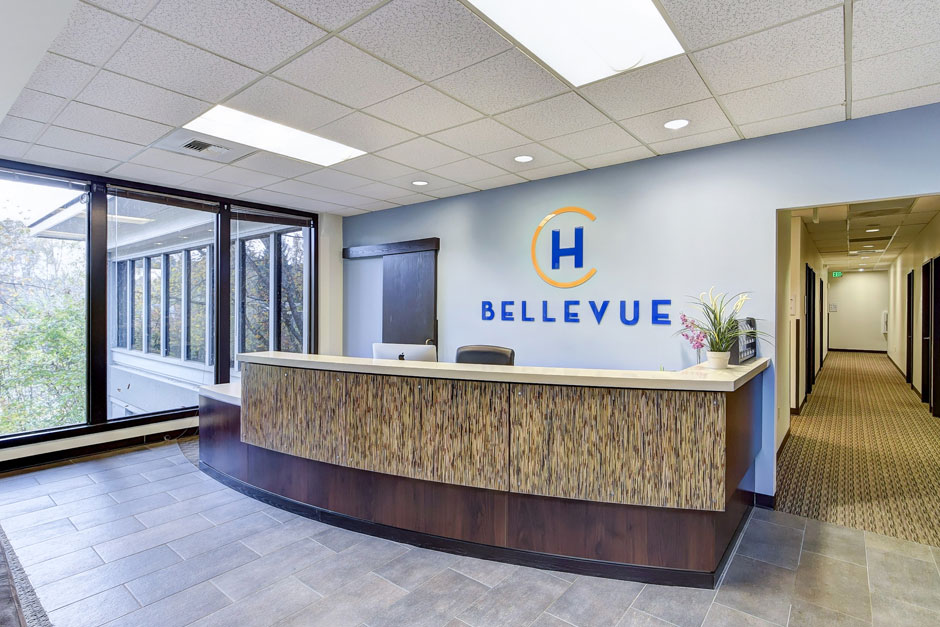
x=717 y=329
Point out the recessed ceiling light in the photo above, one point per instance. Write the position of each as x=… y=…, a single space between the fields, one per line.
x=869 y=246
x=257 y=132
x=861 y=269
x=853 y=252
x=419 y=183
x=872 y=230
x=674 y=125
x=523 y=158
x=129 y=219
x=588 y=40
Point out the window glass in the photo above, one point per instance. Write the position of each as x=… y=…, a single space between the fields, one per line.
x=120 y=271
x=42 y=304
x=292 y=291
x=256 y=282
x=174 y=310
x=166 y=245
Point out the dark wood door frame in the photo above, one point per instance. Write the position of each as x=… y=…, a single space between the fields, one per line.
x=934 y=346
x=909 y=331
x=925 y=321
x=809 y=312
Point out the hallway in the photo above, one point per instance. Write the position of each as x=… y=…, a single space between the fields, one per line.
x=865 y=452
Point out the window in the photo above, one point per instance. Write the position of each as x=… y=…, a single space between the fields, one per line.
x=256 y=293
x=120 y=273
x=292 y=291
x=42 y=303
x=166 y=245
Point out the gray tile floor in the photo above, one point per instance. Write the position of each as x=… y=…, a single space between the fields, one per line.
x=143 y=538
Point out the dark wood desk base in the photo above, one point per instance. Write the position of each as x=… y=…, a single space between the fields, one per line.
x=654 y=545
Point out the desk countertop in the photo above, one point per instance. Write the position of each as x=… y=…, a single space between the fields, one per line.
x=697 y=378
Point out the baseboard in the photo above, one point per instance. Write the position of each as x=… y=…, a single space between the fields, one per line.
x=786 y=438
x=764 y=501
x=897 y=367
x=40 y=459
x=855 y=350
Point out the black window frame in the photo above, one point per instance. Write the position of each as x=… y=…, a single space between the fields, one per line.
x=98 y=340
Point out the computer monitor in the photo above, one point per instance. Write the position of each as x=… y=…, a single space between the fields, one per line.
x=404 y=352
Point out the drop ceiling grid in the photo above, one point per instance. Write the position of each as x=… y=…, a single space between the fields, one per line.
x=803 y=10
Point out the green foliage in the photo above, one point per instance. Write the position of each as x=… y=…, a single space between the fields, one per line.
x=719 y=320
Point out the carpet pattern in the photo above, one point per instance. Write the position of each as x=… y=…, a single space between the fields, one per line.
x=865 y=452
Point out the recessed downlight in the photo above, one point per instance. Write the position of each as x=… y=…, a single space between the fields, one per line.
x=675 y=125
x=419 y=183
x=523 y=158
x=869 y=246
x=872 y=230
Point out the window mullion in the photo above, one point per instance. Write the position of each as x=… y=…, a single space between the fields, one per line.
x=274 y=292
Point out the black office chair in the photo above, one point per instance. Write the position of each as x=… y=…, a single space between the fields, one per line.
x=483 y=354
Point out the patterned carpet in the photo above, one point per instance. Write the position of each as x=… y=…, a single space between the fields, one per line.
x=865 y=452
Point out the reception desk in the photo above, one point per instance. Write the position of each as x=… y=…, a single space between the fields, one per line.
x=628 y=474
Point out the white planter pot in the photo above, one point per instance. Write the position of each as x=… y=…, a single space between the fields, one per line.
x=717 y=361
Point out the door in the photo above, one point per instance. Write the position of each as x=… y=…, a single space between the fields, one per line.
x=822 y=303
x=934 y=346
x=926 y=317
x=909 y=366
x=409 y=298
x=809 y=313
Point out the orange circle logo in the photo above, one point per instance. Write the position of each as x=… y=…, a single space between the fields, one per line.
x=556 y=251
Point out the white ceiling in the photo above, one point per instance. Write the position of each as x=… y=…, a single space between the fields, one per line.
x=433 y=92
x=869 y=235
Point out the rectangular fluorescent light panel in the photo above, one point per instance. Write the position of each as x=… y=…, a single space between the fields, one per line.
x=587 y=40
x=251 y=130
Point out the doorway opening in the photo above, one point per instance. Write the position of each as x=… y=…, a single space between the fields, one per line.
x=858 y=367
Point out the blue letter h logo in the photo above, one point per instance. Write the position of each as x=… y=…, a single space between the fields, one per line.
x=576 y=251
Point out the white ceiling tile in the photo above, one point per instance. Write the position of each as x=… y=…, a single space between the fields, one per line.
x=60 y=76
x=482 y=136
x=77 y=141
x=705 y=23
x=242 y=176
x=329 y=69
x=880 y=26
x=69 y=160
x=12 y=149
x=453 y=190
x=82 y=117
x=405 y=183
x=20 y=129
x=468 y=170
x=133 y=97
x=330 y=14
x=896 y=71
x=898 y=100
x=556 y=116
x=500 y=83
x=499 y=181
x=372 y=167
x=806 y=119
x=412 y=199
x=166 y=160
x=212 y=186
x=423 y=110
x=35 y=105
x=383 y=191
x=428 y=38
x=136 y=172
x=91 y=35
x=505 y=159
x=279 y=166
x=379 y=205
x=704 y=115
x=334 y=179
x=346 y=211
x=364 y=132
x=253 y=32
x=620 y=156
x=594 y=141
x=806 y=45
x=710 y=138
x=306 y=190
x=794 y=95
x=422 y=154
x=281 y=102
x=557 y=169
x=649 y=88
x=182 y=67
x=278 y=199
x=134 y=9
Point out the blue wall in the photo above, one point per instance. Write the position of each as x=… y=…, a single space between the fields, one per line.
x=666 y=228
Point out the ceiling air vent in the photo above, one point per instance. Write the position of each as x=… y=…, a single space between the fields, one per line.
x=197 y=145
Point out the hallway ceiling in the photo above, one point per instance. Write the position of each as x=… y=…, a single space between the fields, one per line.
x=868 y=235
x=434 y=92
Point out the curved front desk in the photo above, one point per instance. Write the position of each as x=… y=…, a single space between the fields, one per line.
x=614 y=473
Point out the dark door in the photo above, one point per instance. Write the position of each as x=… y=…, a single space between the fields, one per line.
x=926 y=317
x=909 y=322
x=934 y=326
x=822 y=328
x=809 y=314
x=409 y=298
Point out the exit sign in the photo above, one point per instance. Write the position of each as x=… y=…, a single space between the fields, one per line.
x=836 y=274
